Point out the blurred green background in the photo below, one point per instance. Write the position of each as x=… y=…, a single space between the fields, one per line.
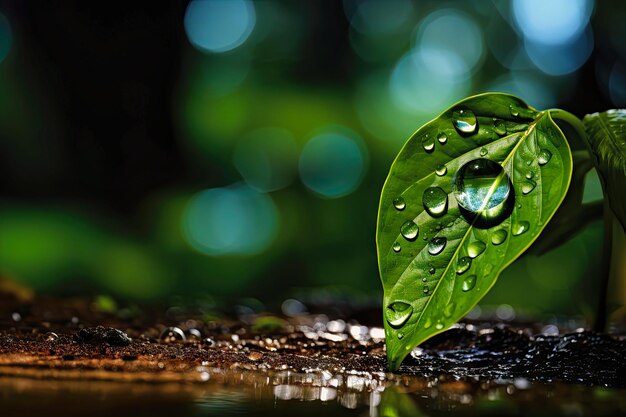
x=236 y=148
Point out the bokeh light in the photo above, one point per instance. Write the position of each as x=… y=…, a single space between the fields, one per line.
x=552 y=22
x=219 y=25
x=537 y=92
x=333 y=162
x=563 y=58
x=5 y=37
x=266 y=158
x=377 y=16
x=234 y=220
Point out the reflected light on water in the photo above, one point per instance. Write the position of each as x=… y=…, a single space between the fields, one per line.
x=219 y=25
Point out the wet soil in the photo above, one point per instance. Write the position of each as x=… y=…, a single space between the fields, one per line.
x=308 y=357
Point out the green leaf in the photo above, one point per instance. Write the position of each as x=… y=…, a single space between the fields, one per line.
x=438 y=259
x=606 y=134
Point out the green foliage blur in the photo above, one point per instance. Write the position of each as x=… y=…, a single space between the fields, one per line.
x=238 y=149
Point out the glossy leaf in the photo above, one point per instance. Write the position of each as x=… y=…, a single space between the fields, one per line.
x=437 y=259
x=607 y=138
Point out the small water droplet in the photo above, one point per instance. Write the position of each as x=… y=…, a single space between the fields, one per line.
x=396 y=247
x=463 y=265
x=428 y=144
x=468 y=283
x=529 y=175
x=439 y=326
x=398 y=313
x=483 y=151
x=437 y=245
x=529 y=162
x=425 y=289
x=528 y=186
x=520 y=228
x=476 y=248
x=432 y=270
x=441 y=170
x=544 y=156
x=424 y=279
x=435 y=201
x=449 y=310
x=498 y=237
x=400 y=335
x=481 y=184
x=428 y=323
x=409 y=230
x=499 y=127
x=519 y=205
x=51 y=337
x=514 y=110
x=464 y=120
x=442 y=137
x=172 y=334
x=399 y=203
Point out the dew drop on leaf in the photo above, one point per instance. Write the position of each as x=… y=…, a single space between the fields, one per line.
x=468 y=283
x=514 y=110
x=529 y=162
x=437 y=245
x=424 y=279
x=483 y=151
x=463 y=265
x=475 y=248
x=528 y=186
x=439 y=326
x=499 y=127
x=529 y=175
x=520 y=227
x=400 y=335
x=441 y=170
x=428 y=323
x=435 y=201
x=398 y=313
x=442 y=137
x=449 y=309
x=425 y=289
x=428 y=144
x=409 y=230
x=544 y=156
x=464 y=120
x=498 y=237
x=399 y=203
x=396 y=247
x=481 y=184
x=432 y=270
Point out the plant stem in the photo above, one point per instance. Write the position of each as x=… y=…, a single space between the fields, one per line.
x=600 y=321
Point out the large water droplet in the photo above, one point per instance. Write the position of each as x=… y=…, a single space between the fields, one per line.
x=409 y=230
x=476 y=248
x=544 y=156
x=441 y=170
x=463 y=265
x=399 y=203
x=437 y=245
x=396 y=247
x=428 y=144
x=464 y=120
x=481 y=184
x=468 y=283
x=520 y=228
x=435 y=201
x=498 y=237
x=172 y=334
x=499 y=127
x=528 y=186
x=442 y=137
x=398 y=313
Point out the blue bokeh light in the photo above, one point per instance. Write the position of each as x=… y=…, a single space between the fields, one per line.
x=6 y=37
x=235 y=220
x=219 y=25
x=563 y=58
x=378 y=16
x=552 y=22
x=333 y=162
